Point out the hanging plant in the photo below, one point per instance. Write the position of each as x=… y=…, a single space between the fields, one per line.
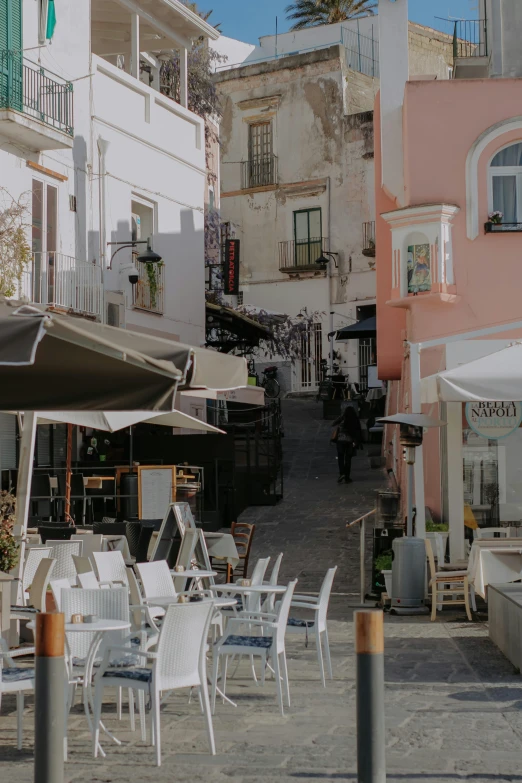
x=8 y=545
x=152 y=271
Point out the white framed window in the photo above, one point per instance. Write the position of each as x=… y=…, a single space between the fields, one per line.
x=505 y=183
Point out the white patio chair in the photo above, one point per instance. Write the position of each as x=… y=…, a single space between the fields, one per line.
x=269 y=602
x=270 y=646
x=15 y=679
x=82 y=564
x=251 y=602
x=110 y=568
x=92 y=542
x=62 y=551
x=494 y=532
x=32 y=561
x=144 y=617
x=88 y=581
x=179 y=662
x=106 y=605
x=156 y=580
x=57 y=585
x=440 y=581
x=316 y=627
x=37 y=592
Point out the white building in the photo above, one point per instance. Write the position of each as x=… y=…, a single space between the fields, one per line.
x=100 y=156
x=297 y=179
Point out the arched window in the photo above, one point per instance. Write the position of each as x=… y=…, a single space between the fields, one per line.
x=506 y=183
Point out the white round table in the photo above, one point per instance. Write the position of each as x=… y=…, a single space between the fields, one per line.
x=193 y=573
x=168 y=600
x=233 y=588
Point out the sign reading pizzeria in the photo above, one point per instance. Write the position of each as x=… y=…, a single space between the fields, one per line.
x=494 y=420
x=231 y=266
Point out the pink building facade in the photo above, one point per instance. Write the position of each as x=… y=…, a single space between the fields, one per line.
x=448 y=283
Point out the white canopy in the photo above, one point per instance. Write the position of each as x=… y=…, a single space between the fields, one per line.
x=110 y=421
x=493 y=378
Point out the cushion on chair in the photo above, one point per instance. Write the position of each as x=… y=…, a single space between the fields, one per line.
x=262 y=642
x=16 y=674
x=296 y=623
x=458 y=566
x=25 y=609
x=141 y=675
x=121 y=663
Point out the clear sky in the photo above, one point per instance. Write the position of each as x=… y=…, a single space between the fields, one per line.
x=247 y=20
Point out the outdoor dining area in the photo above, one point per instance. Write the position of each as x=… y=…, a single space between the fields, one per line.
x=183 y=619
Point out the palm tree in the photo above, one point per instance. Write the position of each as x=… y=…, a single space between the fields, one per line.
x=312 y=13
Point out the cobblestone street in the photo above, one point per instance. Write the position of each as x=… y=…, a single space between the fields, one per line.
x=453 y=702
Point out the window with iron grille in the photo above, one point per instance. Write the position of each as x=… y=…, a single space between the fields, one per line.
x=261 y=166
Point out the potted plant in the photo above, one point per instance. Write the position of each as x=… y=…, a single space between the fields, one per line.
x=383 y=563
x=434 y=527
x=494 y=219
x=8 y=545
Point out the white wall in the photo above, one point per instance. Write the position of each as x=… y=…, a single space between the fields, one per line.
x=156 y=152
x=235 y=51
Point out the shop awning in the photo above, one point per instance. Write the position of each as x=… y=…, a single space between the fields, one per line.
x=358 y=331
x=493 y=378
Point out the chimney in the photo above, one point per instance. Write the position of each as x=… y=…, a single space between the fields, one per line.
x=393 y=55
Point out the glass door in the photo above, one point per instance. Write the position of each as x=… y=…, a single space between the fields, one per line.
x=308 y=236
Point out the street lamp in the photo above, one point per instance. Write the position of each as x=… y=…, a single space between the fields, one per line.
x=147 y=257
x=324 y=263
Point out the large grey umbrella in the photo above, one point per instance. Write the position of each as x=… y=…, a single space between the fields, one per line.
x=50 y=361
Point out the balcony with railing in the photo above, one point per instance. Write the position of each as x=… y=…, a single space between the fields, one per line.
x=259 y=172
x=63 y=281
x=369 y=239
x=301 y=256
x=36 y=106
x=470 y=49
x=148 y=293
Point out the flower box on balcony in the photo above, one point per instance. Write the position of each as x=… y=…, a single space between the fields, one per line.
x=501 y=228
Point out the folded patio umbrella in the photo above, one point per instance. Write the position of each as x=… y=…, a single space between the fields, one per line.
x=50 y=361
x=117 y=420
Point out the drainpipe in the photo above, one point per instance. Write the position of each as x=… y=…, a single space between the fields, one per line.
x=330 y=279
x=103 y=146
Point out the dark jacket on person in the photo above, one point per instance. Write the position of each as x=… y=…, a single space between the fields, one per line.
x=349 y=427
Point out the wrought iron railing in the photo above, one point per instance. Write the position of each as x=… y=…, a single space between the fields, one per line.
x=295 y=254
x=362 y=52
x=470 y=38
x=259 y=171
x=148 y=293
x=28 y=88
x=54 y=279
x=369 y=238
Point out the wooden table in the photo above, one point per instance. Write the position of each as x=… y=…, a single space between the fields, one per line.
x=89 y=482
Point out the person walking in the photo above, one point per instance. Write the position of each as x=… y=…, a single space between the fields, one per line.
x=347 y=437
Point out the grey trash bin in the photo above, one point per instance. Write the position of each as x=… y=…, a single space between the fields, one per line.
x=408 y=573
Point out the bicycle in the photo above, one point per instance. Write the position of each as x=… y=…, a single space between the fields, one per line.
x=270 y=382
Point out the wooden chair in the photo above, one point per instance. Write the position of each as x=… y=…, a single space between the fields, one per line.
x=243 y=535
x=452 y=583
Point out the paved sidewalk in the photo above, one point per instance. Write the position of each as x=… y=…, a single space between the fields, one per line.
x=453 y=702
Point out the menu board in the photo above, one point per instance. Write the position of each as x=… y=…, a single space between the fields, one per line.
x=156 y=490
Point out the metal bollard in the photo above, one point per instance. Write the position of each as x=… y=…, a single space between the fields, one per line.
x=49 y=699
x=369 y=648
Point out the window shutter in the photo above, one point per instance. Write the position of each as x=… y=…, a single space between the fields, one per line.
x=3 y=24
x=14 y=25
x=7 y=441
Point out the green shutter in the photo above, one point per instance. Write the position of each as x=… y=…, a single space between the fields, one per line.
x=11 y=69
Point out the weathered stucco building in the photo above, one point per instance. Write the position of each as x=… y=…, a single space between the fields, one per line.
x=297 y=180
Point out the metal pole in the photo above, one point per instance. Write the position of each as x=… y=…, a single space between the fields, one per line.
x=49 y=699
x=331 y=328
x=68 y=475
x=362 y=555
x=369 y=649
x=409 y=525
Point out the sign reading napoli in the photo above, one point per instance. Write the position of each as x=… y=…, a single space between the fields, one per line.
x=494 y=419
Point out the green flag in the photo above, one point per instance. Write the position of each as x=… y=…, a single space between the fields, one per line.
x=51 y=20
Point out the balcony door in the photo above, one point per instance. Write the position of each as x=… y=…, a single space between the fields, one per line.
x=308 y=236
x=260 y=158
x=11 y=90
x=44 y=242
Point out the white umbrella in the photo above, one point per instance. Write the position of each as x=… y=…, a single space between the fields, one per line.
x=493 y=378
x=111 y=421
